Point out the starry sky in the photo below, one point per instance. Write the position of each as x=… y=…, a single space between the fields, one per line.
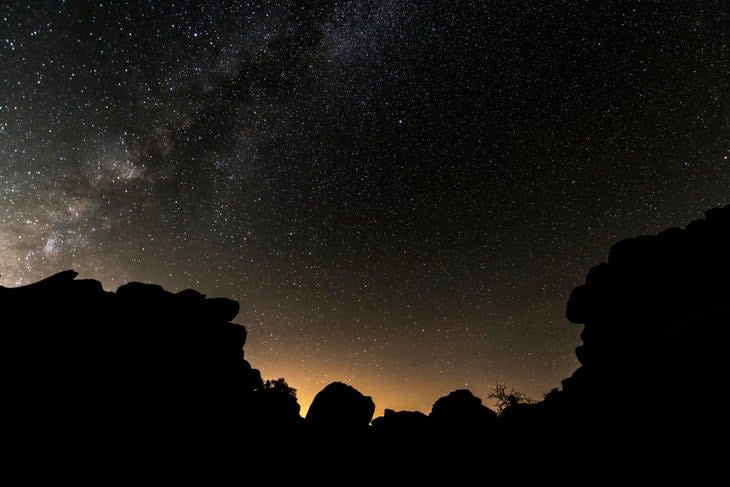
x=401 y=195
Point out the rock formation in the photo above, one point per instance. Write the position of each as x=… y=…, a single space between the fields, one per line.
x=461 y=415
x=656 y=321
x=141 y=363
x=340 y=407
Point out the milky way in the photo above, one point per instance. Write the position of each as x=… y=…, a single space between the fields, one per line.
x=400 y=194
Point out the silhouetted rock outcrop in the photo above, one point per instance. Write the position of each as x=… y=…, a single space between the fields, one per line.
x=401 y=423
x=461 y=414
x=340 y=408
x=151 y=367
x=399 y=431
x=140 y=364
x=656 y=321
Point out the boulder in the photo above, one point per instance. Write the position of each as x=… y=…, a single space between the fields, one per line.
x=340 y=407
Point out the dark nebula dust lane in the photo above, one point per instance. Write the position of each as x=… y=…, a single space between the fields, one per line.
x=401 y=195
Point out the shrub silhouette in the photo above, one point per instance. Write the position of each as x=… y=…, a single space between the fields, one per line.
x=507 y=399
x=276 y=405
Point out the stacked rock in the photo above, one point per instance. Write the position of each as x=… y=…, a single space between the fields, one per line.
x=656 y=321
x=141 y=363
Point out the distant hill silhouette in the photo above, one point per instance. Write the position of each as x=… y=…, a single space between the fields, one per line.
x=144 y=368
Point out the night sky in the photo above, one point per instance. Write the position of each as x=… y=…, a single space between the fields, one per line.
x=401 y=195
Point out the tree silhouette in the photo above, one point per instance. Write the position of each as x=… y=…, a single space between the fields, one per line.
x=504 y=399
x=279 y=387
x=277 y=403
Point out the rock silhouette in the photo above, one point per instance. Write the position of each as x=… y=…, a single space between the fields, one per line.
x=462 y=413
x=340 y=408
x=140 y=364
x=656 y=321
x=401 y=423
x=403 y=429
x=149 y=369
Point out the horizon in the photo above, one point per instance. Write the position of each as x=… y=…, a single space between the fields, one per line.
x=305 y=399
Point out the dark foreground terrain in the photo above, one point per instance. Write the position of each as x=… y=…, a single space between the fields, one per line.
x=143 y=376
